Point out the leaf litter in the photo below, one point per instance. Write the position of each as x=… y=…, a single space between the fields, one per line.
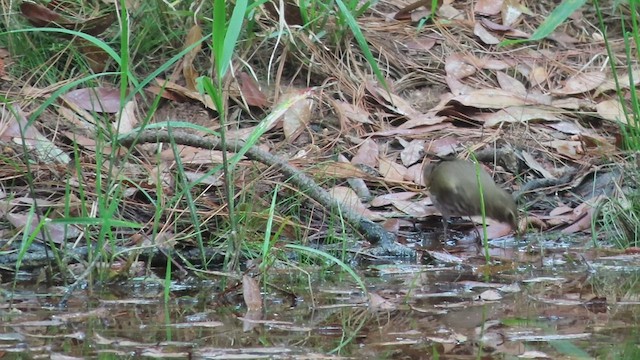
x=551 y=103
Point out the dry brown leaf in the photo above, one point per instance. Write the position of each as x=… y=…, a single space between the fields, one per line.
x=352 y=112
x=297 y=116
x=250 y=91
x=581 y=83
x=420 y=44
x=392 y=225
x=567 y=127
x=516 y=114
x=388 y=199
x=367 y=154
x=572 y=103
x=98 y=99
x=512 y=10
x=456 y=67
x=391 y=170
x=377 y=302
x=509 y=83
x=623 y=82
x=340 y=170
x=251 y=293
x=488 y=7
x=535 y=165
x=538 y=76
x=572 y=149
x=347 y=197
x=485 y=35
x=391 y=101
x=126 y=120
x=611 y=110
x=412 y=153
x=193 y=155
x=491 y=99
x=188 y=70
x=181 y=90
x=56 y=232
x=411 y=208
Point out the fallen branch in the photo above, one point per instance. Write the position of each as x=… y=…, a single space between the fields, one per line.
x=376 y=234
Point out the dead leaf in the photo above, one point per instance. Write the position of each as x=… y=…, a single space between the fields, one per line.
x=509 y=83
x=485 y=35
x=581 y=83
x=347 y=197
x=351 y=112
x=612 y=110
x=188 y=70
x=250 y=91
x=412 y=153
x=181 y=90
x=251 y=293
x=388 y=199
x=391 y=171
x=535 y=165
x=297 y=116
x=367 y=154
x=126 y=121
x=56 y=232
x=98 y=99
x=487 y=7
x=516 y=114
x=456 y=67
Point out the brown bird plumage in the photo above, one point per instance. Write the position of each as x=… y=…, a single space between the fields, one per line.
x=455 y=192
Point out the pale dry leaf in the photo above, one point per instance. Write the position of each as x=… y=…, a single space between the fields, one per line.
x=623 y=82
x=516 y=114
x=56 y=232
x=456 y=67
x=447 y=11
x=390 y=100
x=512 y=10
x=446 y=257
x=411 y=208
x=510 y=83
x=569 y=148
x=391 y=171
x=352 y=112
x=388 y=199
x=193 y=155
x=297 y=116
x=535 y=165
x=251 y=293
x=340 y=170
x=250 y=91
x=488 y=7
x=126 y=121
x=97 y=99
x=538 y=76
x=486 y=62
x=392 y=225
x=181 y=90
x=611 y=110
x=581 y=83
x=420 y=44
x=573 y=103
x=457 y=87
x=567 y=127
x=485 y=35
x=413 y=153
x=367 y=154
x=491 y=99
x=490 y=295
x=420 y=120
x=188 y=70
x=377 y=302
x=347 y=197
x=13 y=127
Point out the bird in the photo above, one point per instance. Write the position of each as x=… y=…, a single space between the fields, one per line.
x=453 y=185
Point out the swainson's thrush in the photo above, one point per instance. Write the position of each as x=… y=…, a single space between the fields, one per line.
x=455 y=192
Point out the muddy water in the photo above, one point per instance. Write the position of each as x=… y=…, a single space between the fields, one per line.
x=557 y=303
